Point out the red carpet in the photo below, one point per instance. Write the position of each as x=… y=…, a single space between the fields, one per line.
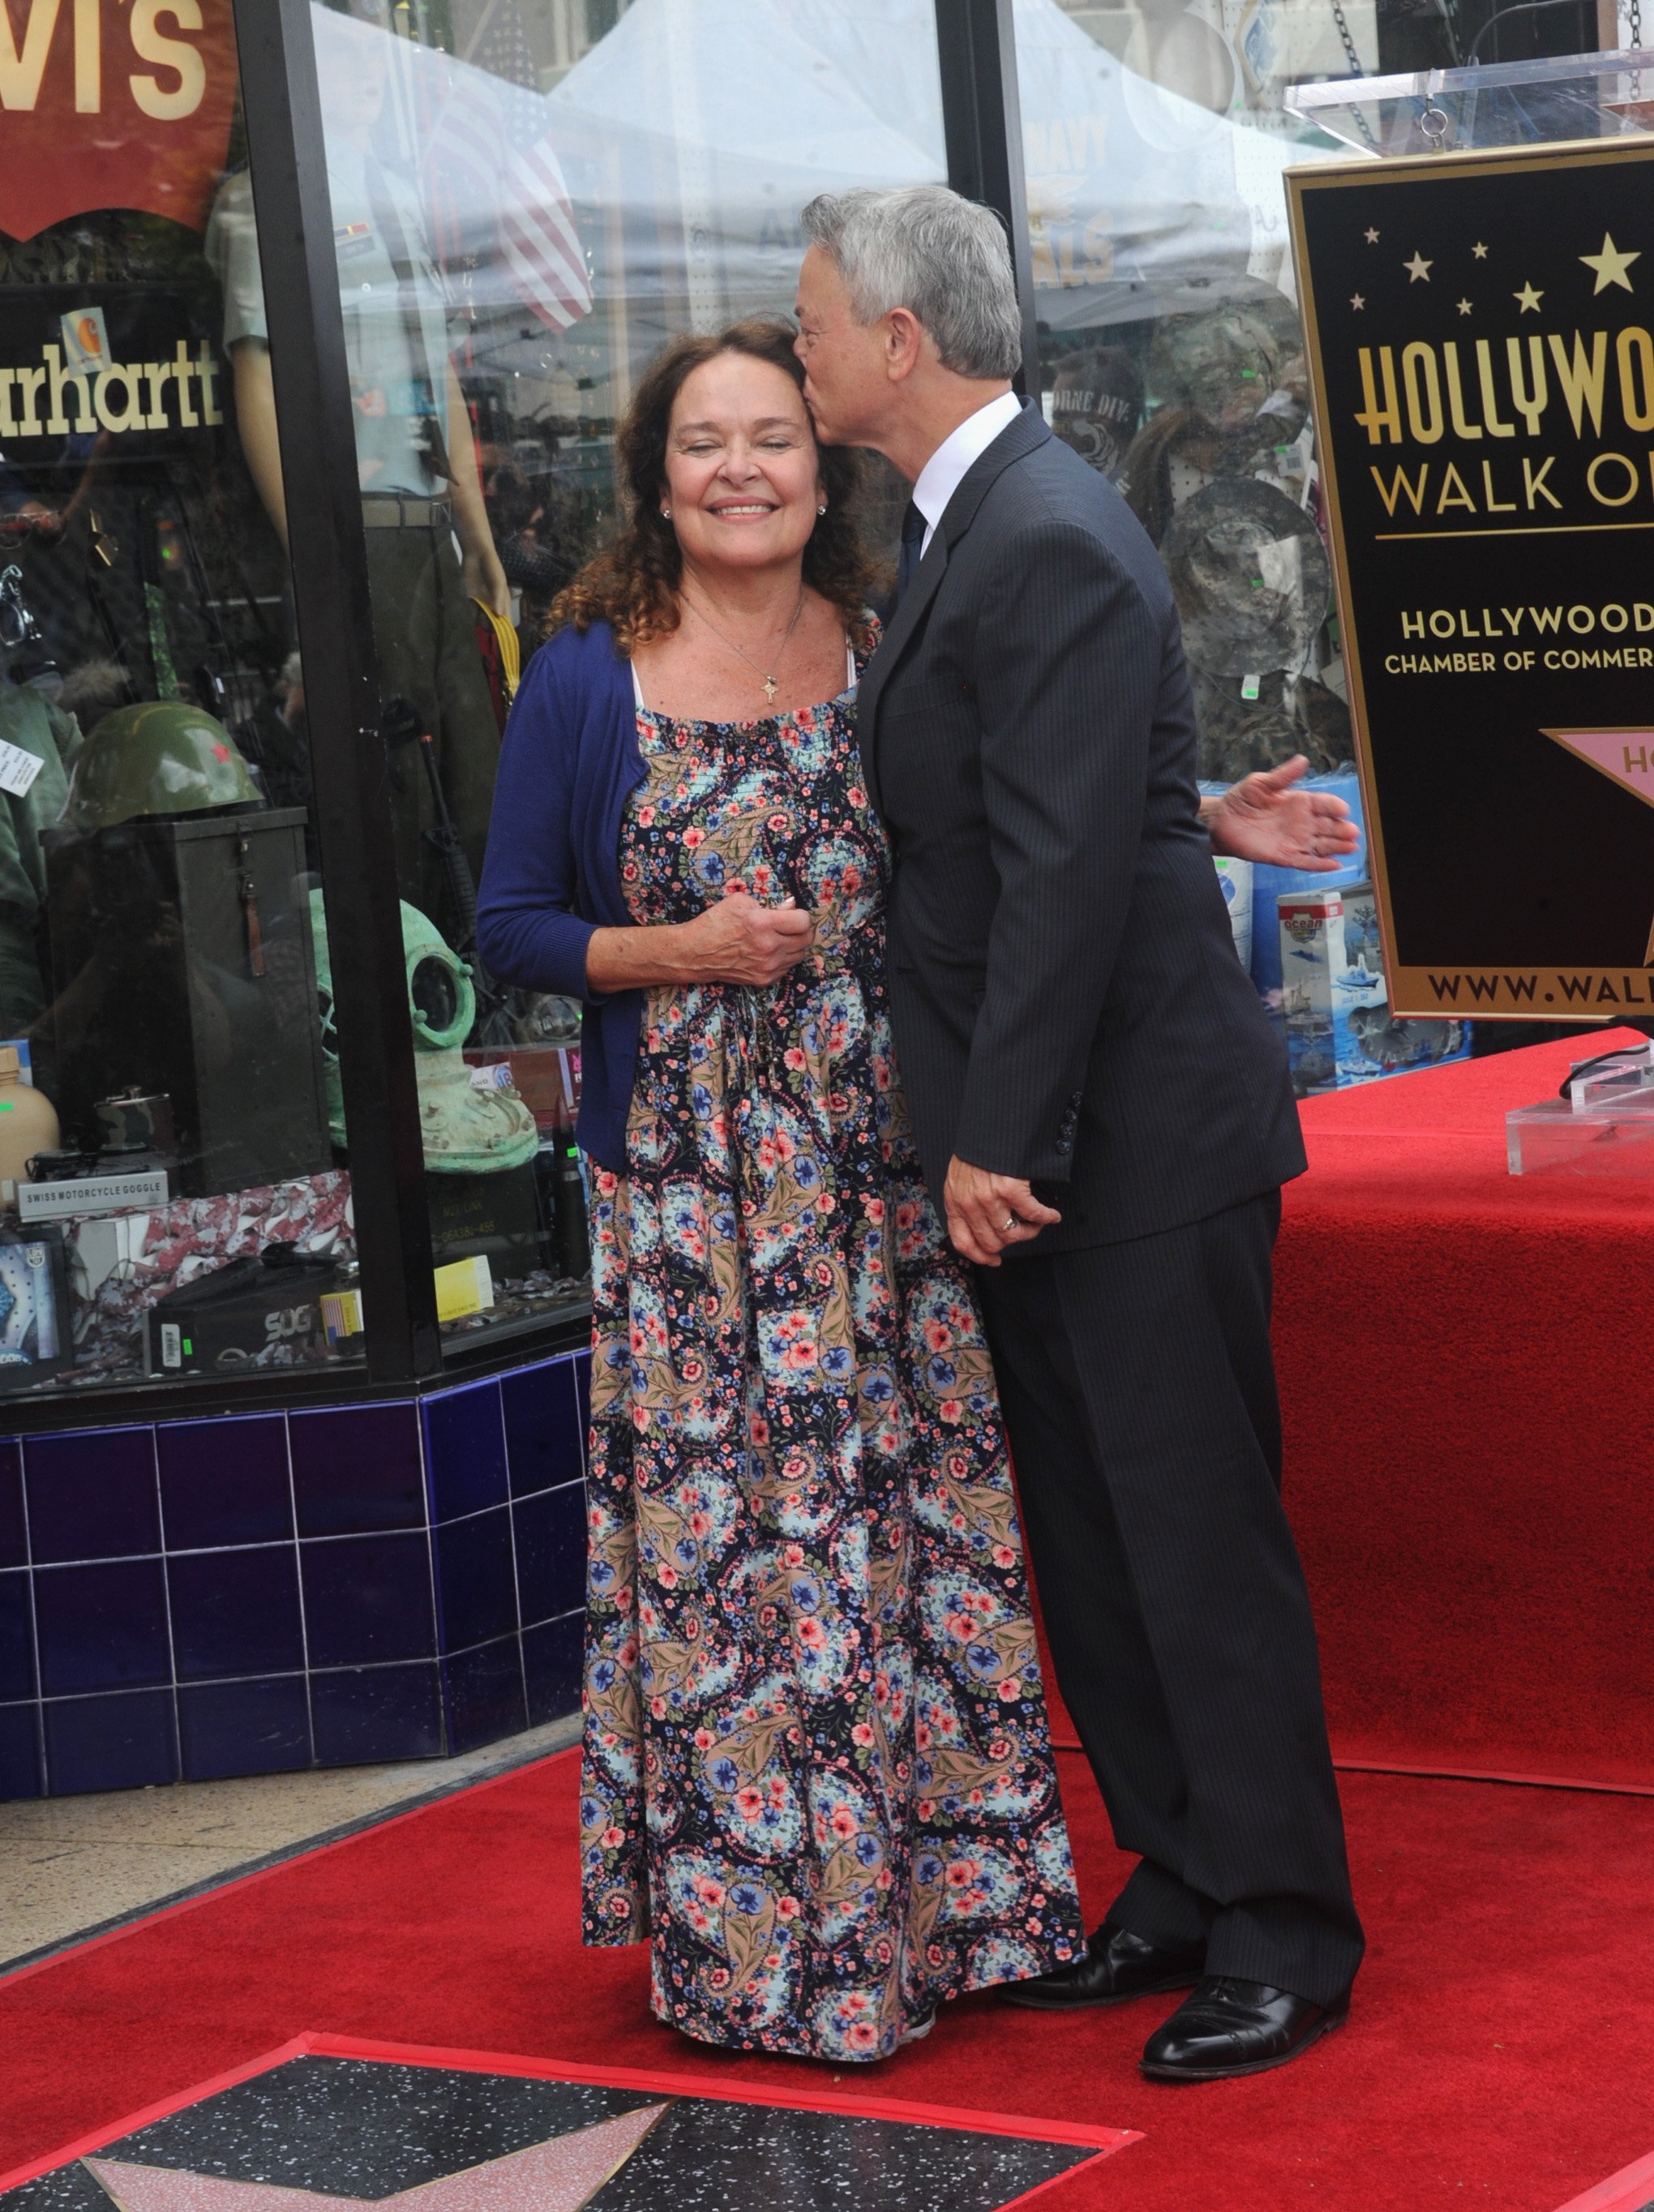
x=1463 y=2076
x=1468 y=1382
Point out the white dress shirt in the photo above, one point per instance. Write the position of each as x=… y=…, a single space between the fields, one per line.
x=941 y=476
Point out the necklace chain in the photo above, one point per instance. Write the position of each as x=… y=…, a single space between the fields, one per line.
x=770 y=684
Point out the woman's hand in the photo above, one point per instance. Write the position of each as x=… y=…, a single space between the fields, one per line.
x=735 y=941
x=740 y=941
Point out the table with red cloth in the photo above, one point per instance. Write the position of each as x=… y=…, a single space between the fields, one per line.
x=1466 y=1378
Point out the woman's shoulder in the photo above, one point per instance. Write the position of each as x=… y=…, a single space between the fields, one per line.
x=576 y=670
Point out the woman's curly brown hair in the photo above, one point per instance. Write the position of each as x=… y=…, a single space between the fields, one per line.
x=633 y=584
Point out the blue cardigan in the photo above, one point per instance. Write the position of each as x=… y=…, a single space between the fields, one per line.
x=568 y=764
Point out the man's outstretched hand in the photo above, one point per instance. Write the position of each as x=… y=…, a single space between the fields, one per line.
x=986 y=1212
x=1266 y=817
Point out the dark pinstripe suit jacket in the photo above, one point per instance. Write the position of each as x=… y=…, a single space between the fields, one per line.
x=1066 y=999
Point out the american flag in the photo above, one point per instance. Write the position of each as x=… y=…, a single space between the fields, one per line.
x=496 y=179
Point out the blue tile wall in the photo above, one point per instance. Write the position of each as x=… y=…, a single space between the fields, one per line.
x=92 y=1495
x=551 y=1550
x=17 y=1637
x=465 y=1450
x=376 y=1712
x=102 y=1627
x=225 y=1482
x=357 y=1469
x=14 y=1532
x=544 y=1427
x=236 y=1613
x=476 y=1588
x=21 y=1773
x=484 y=1693
x=251 y=1593
x=551 y=1667
x=244 y=1728
x=111 y=1743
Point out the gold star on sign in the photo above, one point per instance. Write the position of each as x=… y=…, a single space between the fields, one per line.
x=1480 y=252
x=1356 y=301
x=1464 y=306
x=1372 y=238
x=1610 y=266
x=1528 y=299
x=1418 y=270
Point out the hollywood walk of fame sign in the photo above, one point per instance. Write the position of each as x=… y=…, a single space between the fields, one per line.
x=329 y=2125
x=1480 y=331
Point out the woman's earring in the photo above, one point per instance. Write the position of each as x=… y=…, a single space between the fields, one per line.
x=822 y=509
x=665 y=514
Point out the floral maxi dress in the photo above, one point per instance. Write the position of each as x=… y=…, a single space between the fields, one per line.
x=817 y=1775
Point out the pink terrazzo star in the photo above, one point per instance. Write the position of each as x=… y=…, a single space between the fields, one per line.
x=559 y=2175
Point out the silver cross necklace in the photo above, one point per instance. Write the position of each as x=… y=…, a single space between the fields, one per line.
x=770 y=684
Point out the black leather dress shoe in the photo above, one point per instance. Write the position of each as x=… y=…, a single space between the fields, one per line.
x=1117 y=1967
x=1230 y=2028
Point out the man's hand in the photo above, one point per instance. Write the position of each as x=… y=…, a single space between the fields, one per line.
x=1264 y=819
x=987 y=1213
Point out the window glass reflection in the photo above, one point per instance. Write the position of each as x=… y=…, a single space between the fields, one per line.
x=1171 y=359
x=530 y=197
x=171 y=1204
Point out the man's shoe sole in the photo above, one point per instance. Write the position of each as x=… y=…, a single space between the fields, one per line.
x=1324 y=2025
x=1018 y=1993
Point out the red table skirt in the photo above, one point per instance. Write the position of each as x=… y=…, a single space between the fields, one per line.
x=1466 y=1372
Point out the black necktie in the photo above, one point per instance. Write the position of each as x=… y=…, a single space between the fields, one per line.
x=913 y=535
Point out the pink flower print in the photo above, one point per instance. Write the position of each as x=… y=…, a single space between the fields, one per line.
x=749 y=1803
x=938 y=1335
x=863 y=1735
x=794 y=1059
x=1010 y=1687
x=856 y=796
x=787 y=1908
x=693 y=837
x=863 y=2036
x=810 y=1633
x=1003 y=1556
x=842 y=1822
x=613 y=1837
x=646 y=818
x=951 y=1411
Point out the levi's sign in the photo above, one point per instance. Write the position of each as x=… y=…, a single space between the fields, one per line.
x=1481 y=342
x=112 y=103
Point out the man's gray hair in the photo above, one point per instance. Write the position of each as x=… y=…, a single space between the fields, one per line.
x=940 y=256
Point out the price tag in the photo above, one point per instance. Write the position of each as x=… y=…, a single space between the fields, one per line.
x=18 y=769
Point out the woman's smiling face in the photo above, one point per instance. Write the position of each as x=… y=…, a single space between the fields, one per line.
x=743 y=480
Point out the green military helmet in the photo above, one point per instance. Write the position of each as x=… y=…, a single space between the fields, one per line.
x=162 y=756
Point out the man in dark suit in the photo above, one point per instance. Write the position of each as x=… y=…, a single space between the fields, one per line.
x=1101 y=1105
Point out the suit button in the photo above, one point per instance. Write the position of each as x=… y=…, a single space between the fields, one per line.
x=1064 y=1144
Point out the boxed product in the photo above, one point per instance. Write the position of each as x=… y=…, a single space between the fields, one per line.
x=280 y=1309
x=1334 y=1000
x=1235 y=881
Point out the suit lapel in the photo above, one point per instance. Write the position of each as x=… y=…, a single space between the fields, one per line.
x=1016 y=440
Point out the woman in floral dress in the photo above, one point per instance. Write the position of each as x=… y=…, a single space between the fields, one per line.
x=818 y=1778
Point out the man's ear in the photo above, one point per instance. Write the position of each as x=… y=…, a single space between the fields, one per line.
x=904 y=343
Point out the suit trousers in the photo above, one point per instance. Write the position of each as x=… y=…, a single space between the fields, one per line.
x=1139 y=1392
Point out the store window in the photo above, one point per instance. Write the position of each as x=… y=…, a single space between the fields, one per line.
x=173 y=1203
x=1171 y=358
x=529 y=198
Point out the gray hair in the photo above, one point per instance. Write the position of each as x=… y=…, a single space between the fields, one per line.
x=928 y=249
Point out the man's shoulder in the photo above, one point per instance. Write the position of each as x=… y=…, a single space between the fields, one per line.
x=1052 y=486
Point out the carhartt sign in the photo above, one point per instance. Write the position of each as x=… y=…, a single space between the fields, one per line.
x=112 y=103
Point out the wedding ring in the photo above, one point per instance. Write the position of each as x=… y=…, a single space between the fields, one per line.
x=1008 y=1224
